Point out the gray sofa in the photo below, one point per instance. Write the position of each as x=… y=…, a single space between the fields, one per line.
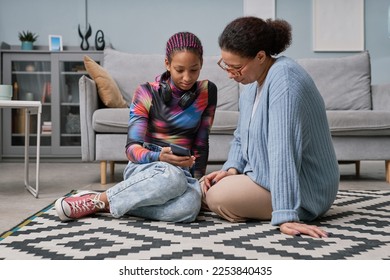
x=358 y=112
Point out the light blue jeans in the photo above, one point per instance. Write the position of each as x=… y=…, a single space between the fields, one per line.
x=157 y=191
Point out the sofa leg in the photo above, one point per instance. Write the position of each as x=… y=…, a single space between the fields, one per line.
x=357 y=168
x=112 y=171
x=103 y=172
x=387 y=165
x=356 y=162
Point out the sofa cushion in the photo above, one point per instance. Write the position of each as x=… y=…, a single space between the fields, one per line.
x=108 y=90
x=381 y=97
x=228 y=89
x=359 y=123
x=131 y=70
x=343 y=82
x=225 y=122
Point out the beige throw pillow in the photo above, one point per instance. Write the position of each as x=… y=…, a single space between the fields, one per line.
x=108 y=90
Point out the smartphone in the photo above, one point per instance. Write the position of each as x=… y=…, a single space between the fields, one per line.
x=179 y=150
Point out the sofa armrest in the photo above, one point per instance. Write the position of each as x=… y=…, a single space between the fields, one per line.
x=89 y=103
x=381 y=97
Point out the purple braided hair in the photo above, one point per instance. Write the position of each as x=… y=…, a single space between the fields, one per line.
x=184 y=41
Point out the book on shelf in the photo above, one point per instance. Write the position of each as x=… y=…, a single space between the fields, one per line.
x=46 y=128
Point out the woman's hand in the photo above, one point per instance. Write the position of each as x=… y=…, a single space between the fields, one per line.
x=294 y=228
x=166 y=155
x=214 y=177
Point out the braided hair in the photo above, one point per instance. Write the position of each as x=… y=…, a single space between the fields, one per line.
x=183 y=41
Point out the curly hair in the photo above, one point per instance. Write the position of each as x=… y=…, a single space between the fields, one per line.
x=183 y=41
x=246 y=36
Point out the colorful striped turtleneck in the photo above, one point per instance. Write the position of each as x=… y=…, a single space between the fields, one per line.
x=153 y=121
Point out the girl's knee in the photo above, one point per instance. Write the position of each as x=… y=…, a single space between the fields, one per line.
x=169 y=177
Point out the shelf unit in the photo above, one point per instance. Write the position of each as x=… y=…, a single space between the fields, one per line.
x=52 y=78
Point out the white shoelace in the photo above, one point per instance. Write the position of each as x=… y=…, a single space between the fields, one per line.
x=84 y=205
x=98 y=203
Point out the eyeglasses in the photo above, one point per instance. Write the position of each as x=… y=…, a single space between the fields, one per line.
x=234 y=71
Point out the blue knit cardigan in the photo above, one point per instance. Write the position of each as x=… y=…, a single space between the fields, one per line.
x=286 y=147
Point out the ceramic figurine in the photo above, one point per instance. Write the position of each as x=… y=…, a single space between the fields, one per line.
x=99 y=40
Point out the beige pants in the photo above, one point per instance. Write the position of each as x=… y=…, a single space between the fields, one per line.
x=237 y=198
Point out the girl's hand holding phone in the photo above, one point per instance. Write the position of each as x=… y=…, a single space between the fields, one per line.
x=167 y=155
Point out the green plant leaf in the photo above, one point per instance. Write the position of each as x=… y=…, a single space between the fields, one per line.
x=27 y=36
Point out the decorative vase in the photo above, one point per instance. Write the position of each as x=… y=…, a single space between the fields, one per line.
x=5 y=92
x=26 y=45
x=99 y=41
x=29 y=96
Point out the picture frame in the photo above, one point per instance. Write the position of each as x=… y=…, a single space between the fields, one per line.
x=338 y=25
x=55 y=43
x=264 y=9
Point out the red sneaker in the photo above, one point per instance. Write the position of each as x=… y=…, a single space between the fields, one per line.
x=79 y=205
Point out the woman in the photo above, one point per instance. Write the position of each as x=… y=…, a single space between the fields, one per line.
x=282 y=165
x=177 y=109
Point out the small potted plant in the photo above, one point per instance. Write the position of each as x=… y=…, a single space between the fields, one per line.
x=27 y=38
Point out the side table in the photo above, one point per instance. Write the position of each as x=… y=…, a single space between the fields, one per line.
x=31 y=107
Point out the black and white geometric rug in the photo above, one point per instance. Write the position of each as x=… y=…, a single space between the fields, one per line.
x=358 y=223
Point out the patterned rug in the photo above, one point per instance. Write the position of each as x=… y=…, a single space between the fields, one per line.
x=359 y=224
